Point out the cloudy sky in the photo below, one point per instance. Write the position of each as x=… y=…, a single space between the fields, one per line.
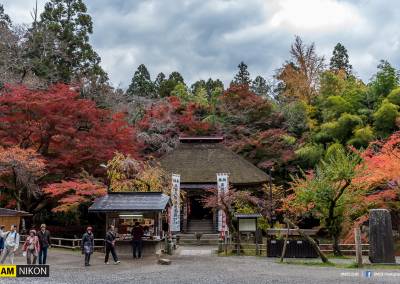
x=208 y=38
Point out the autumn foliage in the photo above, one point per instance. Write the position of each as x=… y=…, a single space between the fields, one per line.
x=20 y=170
x=70 y=194
x=71 y=133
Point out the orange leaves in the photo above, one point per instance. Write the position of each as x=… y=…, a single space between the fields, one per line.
x=69 y=194
x=380 y=172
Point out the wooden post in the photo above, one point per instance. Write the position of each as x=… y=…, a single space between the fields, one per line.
x=310 y=240
x=285 y=243
x=357 y=238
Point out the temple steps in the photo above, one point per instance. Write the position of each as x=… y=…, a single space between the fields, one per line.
x=204 y=226
x=190 y=239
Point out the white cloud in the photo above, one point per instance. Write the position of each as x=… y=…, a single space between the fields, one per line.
x=208 y=38
x=315 y=16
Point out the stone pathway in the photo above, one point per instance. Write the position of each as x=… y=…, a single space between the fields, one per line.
x=200 y=268
x=196 y=250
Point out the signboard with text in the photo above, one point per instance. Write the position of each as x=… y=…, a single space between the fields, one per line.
x=223 y=186
x=176 y=208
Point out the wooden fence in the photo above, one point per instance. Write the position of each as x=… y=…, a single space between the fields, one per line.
x=69 y=243
x=227 y=248
x=261 y=249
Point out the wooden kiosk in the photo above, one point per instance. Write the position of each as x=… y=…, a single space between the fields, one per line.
x=123 y=209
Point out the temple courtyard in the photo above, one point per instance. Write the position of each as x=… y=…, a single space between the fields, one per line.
x=200 y=265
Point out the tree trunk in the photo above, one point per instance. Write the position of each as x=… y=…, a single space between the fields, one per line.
x=335 y=245
x=310 y=240
x=285 y=242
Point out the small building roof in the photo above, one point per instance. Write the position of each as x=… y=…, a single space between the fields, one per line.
x=5 y=212
x=248 y=216
x=200 y=162
x=130 y=201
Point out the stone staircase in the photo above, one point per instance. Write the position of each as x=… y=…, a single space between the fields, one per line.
x=190 y=239
x=204 y=227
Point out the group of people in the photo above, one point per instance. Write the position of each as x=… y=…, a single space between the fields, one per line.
x=35 y=246
x=87 y=243
x=37 y=243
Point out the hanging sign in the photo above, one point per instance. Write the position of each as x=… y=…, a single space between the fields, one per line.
x=223 y=186
x=175 y=222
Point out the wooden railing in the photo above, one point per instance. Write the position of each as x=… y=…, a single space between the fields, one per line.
x=69 y=243
x=345 y=248
x=261 y=249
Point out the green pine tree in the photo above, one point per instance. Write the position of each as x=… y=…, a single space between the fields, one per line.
x=141 y=84
x=340 y=59
x=243 y=76
x=65 y=25
x=260 y=87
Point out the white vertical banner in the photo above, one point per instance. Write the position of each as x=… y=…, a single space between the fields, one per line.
x=175 y=221
x=223 y=186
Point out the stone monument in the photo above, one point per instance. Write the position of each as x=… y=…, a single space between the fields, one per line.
x=381 y=243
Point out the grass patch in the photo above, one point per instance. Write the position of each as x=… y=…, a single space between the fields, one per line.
x=308 y=263
x=331 y=255
x=352 y=265
x=373 y=266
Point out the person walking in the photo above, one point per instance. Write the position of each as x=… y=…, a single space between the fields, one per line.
x=110 y=245
x=31 y=247
x=137 y=234
x=87 y=245
x=2 y=233
x=44 y=243
x=11 y=244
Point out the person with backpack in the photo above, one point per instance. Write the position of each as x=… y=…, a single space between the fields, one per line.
x=11 y=244
x=44 y=243
x=31 y=247
x=87 y=245
x=110 y=245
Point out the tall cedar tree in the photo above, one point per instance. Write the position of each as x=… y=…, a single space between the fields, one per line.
x=260 y=87
x=243 y=75
x=73 y=57
x=141 y=84
x=340 y=60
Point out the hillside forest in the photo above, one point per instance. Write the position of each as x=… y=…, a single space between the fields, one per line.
x=330 y=140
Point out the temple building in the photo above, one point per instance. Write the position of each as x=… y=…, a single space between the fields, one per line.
x=198 y=160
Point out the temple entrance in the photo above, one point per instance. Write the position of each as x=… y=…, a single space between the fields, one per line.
x=197 y=218
x=197 y=210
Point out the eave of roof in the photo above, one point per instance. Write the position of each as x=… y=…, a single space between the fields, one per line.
x=131 y=201
x=5 y=212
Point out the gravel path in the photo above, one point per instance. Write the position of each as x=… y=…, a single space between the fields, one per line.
x=67 y=267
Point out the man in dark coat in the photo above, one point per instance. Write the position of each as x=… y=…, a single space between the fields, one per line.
x=110 y=245
x=44 y=242
x=87 y=245
x=137 y=234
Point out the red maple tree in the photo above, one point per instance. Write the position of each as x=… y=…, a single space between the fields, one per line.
x=71 y=133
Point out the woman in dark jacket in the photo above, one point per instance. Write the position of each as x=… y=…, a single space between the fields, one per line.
x=87 y=245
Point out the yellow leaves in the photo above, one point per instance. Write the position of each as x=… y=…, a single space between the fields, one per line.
x=129 y=175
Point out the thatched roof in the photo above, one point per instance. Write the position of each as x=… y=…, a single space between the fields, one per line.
x=200 y=162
